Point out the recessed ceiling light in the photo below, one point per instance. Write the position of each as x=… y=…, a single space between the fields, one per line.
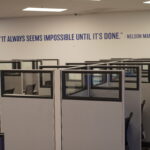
x=146 y=2
x=44 y=9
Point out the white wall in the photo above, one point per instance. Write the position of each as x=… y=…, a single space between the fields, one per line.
x=73 y=51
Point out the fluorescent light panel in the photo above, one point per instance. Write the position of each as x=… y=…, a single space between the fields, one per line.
x=44 y=9
x=146 y=2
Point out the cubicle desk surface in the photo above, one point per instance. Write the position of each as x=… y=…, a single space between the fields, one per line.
x=26 y=96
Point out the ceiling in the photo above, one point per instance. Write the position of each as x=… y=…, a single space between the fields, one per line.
x=13 y=8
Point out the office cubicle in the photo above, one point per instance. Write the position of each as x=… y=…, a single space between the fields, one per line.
x=145 y=101
x=85 y=63
x=55 y=67
x=137 y=60
x=88 y=119
x=25 y=83
x=29 y=64
x=99 y=61
x=79 y=93
x=76 y=63
x=132 y=98
x=145 y=64
x=9 y=64
x=132 y=75
x=132 y=93
x=27 y=111
x=49 y=62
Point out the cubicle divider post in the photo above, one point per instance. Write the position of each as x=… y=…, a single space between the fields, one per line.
x=88 y=83
x=2 y=136
x=57 y=98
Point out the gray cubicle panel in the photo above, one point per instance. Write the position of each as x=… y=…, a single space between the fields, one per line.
x=145 y=86
x=132 y=100
x=77 y=63
x=146 y=110
x=145 y=67
x=35 y=63
x=55 y=67
x=84 y=63
x=137 y=60
x=49 y=62
x=27 y=64
x=90 y=122
x=27 y=120
x=99 y=61
x=120 y=59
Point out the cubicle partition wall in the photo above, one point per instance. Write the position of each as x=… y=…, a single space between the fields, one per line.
x=145 y=96
x=8 y=64
x=137 y=60
x=27 y=110
x=29 y=64
x=49 y=62
x=132 y=99
x=91 y=121
x=99 y=61
x=68 y=107
x=55 y=67
x=145 y=67
x=84 y=63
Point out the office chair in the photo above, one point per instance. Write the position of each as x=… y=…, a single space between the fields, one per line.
x=9 y=91
x=29 y=89
x=127 y=122
x=145 y=144
x=142 y=108
x=142 y=105
x=47 y=83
